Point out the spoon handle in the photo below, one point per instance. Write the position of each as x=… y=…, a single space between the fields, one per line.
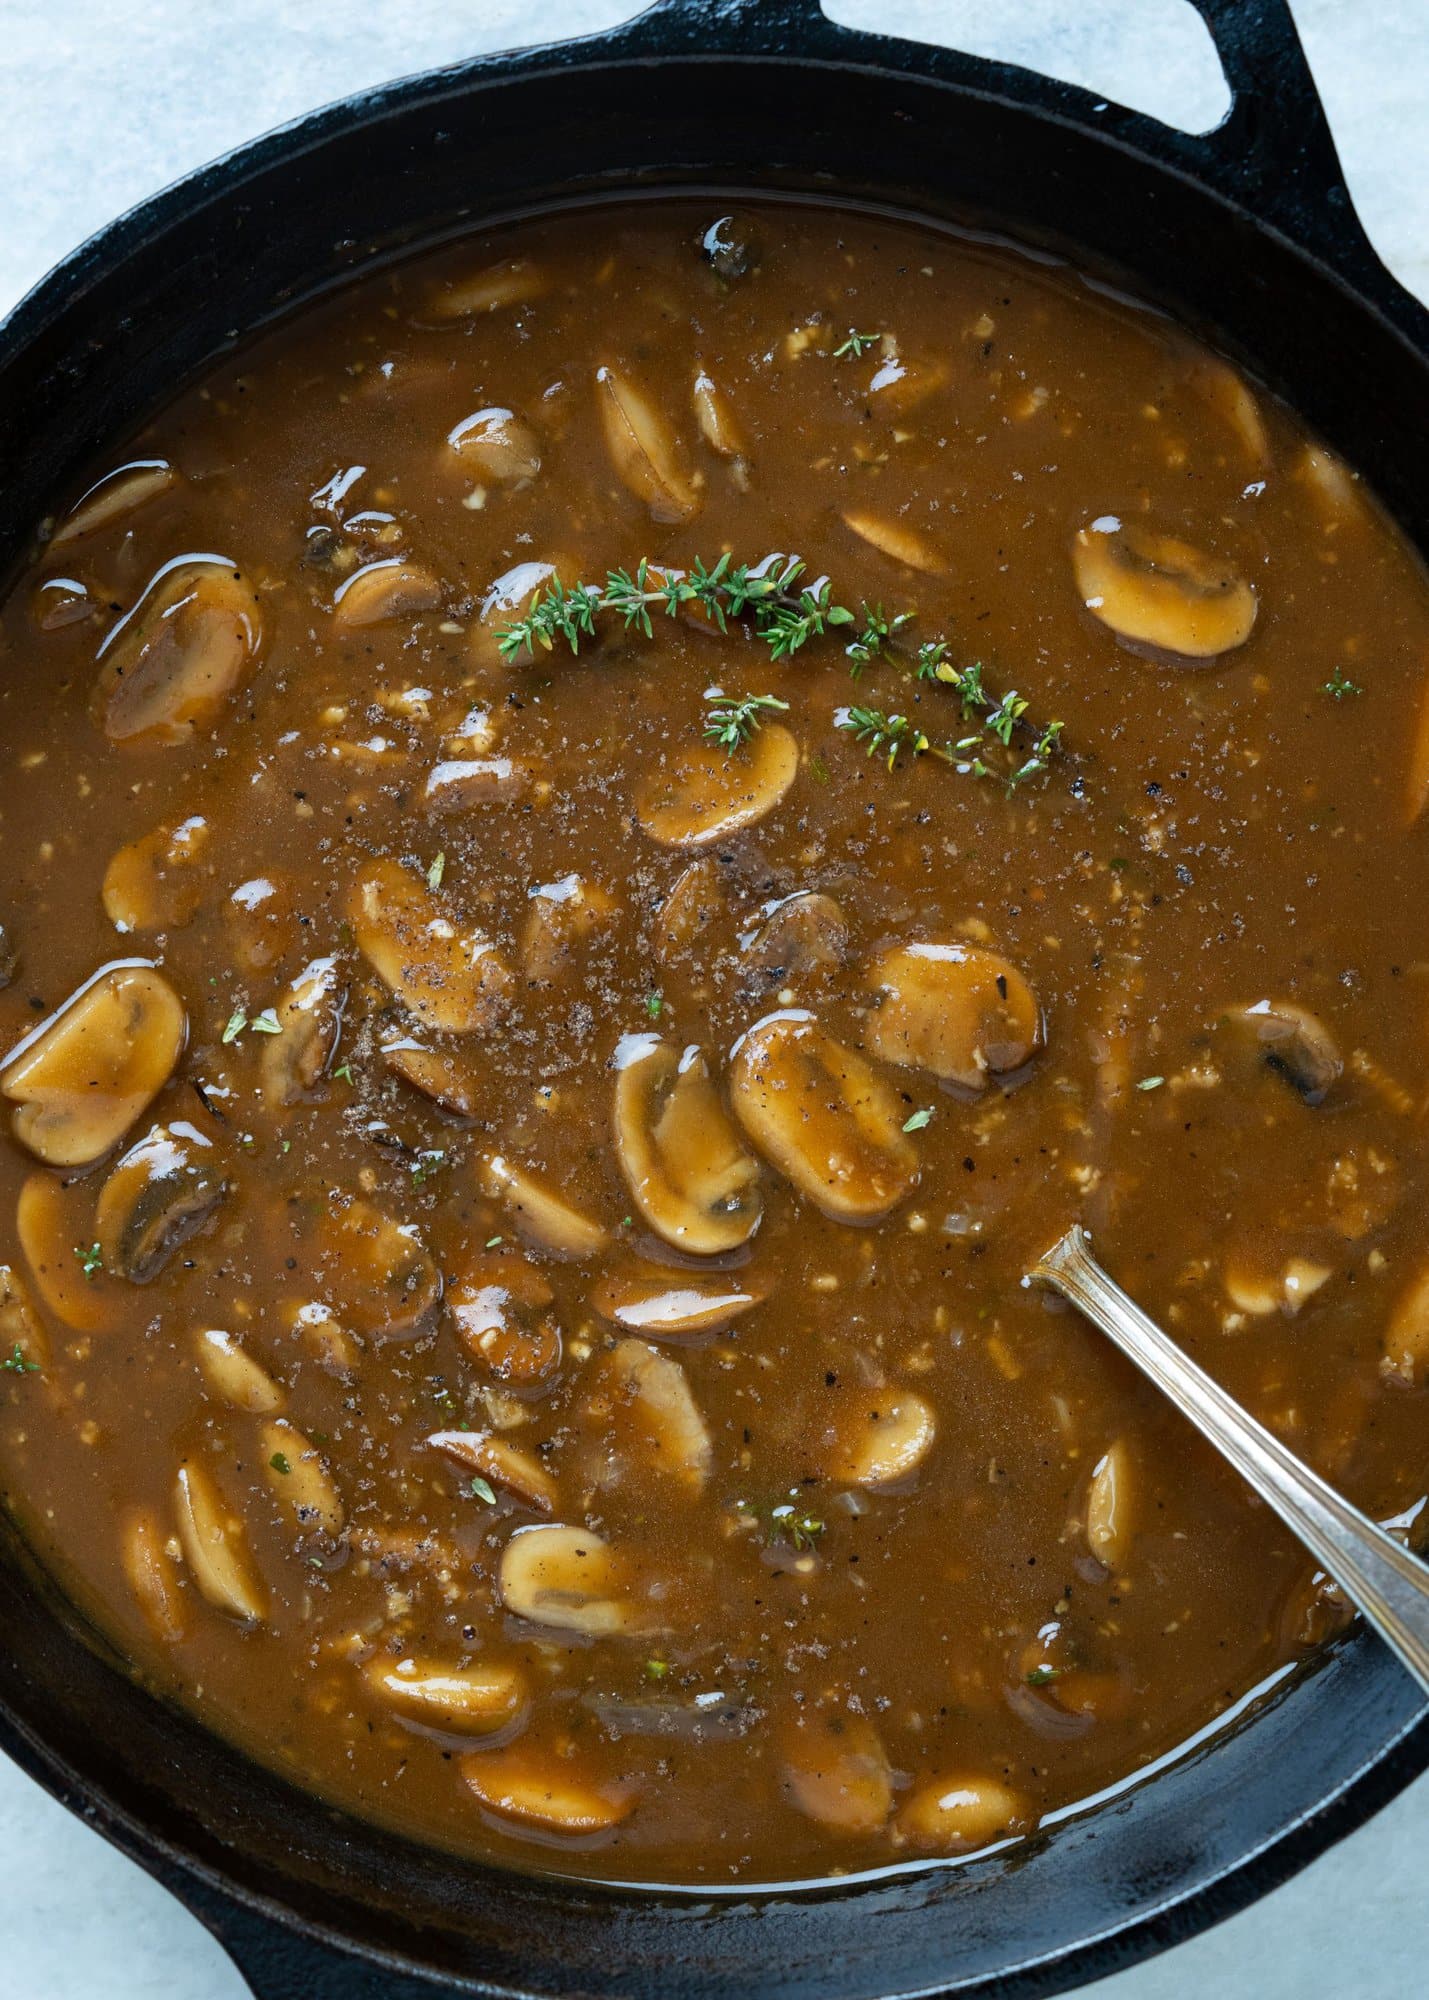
x=1386 y=1583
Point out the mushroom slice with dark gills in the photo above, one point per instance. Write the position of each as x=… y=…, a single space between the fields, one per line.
x=692 y=1178
x=731 y=246
x=963 y=1013
x=823 y=1116
x=1288 y=1039
x=171 y=663
x=447 y=973
x=82 y=1079
x=160 y=1194
x=700 y=795
x=500 y=1308
x=800 y=938
x=1159 y=593
x=309 y=1017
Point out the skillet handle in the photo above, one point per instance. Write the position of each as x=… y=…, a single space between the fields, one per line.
x=1273 y=154
x=1274 y=151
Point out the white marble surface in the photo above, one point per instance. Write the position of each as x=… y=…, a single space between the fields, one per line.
x=103 y=101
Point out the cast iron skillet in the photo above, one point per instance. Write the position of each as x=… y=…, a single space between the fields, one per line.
x=1247 y=232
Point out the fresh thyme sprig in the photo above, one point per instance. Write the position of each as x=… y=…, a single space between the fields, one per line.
x=855 y=344
x=730 y=723
x=891 y=736
x=787 y=613
x=768 y=593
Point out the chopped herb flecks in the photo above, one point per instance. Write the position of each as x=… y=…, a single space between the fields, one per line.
x=1339 y=685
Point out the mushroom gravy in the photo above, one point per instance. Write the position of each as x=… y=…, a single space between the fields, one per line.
x=529 y=1105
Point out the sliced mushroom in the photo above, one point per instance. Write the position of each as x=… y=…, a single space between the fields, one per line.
x=215 y=1546
x=700 y=795
x=261 y=918
x=20 y=1329
x=75 y=1290
x=171 y=663
x=500 y=1307
x=460 y=784
x=439 y=1074
x=899 y=385
x=719 y=426
x=692 y=1179
x=673 y=1305
x=836 y=1771
x=536 y=1789
x=561 y=917
x=543 y=1217
x=505 y=603
x=956 y=1814
x=1289 y=1039
x=643 y=1403
x=822 y=1115
x=451 y=976
x=1224 y=390
x=1406 y=1338
x=497 y=445
x=961 y=1012
x=123 y=491
x=232 y=1373
x=156 y=1199
x=566 y=1578
x=880 y=1437
x=515 y=282
x=1260 y=1282
x=83 y=1077
x=731 y=246
x=59 y=602
x=153 y=884
x=897 y=541
x=391 y=588
x=295 y=1060
x=479 y=1700
x=299 y=1477
x=694 y=905
x=1154 y=591
x=503 y=1464
x=802 y=936
x=152 y=1575
x=1110 y=1506
x=334 y=1347
x=642 y=449
x=1337 y=491
x=390 y=1283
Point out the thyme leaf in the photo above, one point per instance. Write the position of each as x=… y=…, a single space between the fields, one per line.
x=731 y=723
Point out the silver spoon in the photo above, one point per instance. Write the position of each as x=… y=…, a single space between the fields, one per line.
x=1382 y=1579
